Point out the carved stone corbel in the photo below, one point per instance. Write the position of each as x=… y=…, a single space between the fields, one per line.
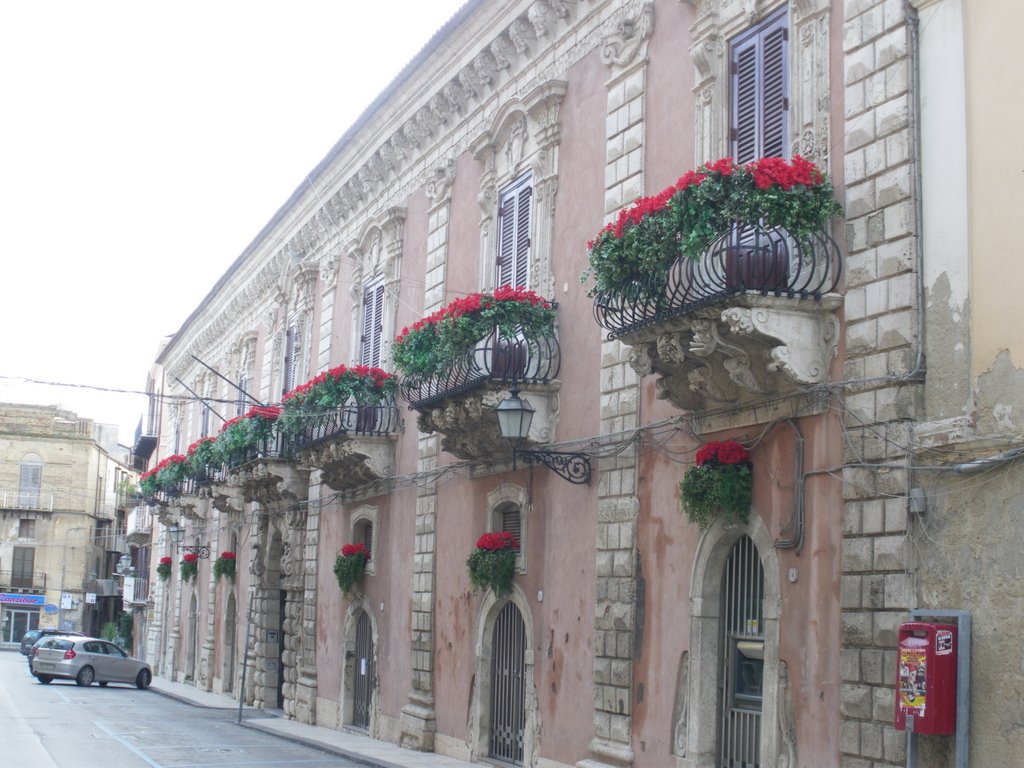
x=633 y=29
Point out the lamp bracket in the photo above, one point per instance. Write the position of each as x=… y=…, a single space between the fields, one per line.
x=203 y=550
x=571 y=466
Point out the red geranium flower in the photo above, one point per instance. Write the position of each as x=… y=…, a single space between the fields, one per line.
x=165 y=560
x=355 y=549
x=227 y=555
x=190 y=557
x=493 y=542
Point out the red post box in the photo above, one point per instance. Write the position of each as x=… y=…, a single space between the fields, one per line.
x=926 y=677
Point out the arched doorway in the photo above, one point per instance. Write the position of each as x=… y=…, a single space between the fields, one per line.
x=230 y=639
x=508 y=689
x=363 y=673
x=731 y=709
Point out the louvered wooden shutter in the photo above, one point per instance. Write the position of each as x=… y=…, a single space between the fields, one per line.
x=23 y=563
x=512 y=521
x=291 y=354
x=243 y=385
x=31 y=478
x=514 y=235
x=759 y=120
x=373 y=325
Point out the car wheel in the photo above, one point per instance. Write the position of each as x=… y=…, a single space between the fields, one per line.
x=85 y=676
x=103 y=684
x=143 y=679
x=44 y=679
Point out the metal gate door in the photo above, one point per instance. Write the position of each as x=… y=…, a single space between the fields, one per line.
x=742 y=655
x=364 y=673
x=507 y=678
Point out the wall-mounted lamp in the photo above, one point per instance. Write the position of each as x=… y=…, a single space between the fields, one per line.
x=124 y=564
x=177 y=534
x=514 y=418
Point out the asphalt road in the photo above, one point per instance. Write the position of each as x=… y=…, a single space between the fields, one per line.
x=64 y=726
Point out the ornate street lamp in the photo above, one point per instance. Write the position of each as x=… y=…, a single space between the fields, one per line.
x=514 y=418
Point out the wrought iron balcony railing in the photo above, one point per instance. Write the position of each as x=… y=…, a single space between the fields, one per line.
x=519 y=359
x=751 y=258
x=274 y=447
x=347 y=421
x=21 y=580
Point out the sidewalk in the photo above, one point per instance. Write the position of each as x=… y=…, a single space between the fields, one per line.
x=353 y=746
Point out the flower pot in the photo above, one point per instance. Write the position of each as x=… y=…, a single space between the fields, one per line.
x=760 y=266
x=509 y=359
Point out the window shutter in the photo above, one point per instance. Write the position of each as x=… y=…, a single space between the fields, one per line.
x=513 y=266
x=31 y=480
x=373 y=325
x=512 y=521
x=243 y=384
x=23 y=562
x=291 y=350
x=760 y=91
x=368 y=537
x=521 y=272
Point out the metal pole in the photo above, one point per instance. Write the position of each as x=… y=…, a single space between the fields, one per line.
x=229 y=381
x=201 y=399
x=245 y=654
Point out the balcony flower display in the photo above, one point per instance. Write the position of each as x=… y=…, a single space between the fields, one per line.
x=349 y=566
x=334 y=389
x=224 y=565
x=163 y=568
x=720 y=483
x=492 y=565
x=202 y=455
x=164 y=476
x=432 y=345
x=241 y=433
x=189 y=566
x=702 y=206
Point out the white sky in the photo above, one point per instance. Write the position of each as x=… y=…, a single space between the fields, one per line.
x=143 y=145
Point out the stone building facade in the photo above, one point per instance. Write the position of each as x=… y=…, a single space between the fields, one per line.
x=63 y=504
x=631 y=636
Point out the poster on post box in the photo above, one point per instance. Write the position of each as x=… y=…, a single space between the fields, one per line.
x=913 y=681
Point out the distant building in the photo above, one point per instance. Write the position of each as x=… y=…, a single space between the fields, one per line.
x=64 y=484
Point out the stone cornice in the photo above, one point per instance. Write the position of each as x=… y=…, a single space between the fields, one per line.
x=416 y=142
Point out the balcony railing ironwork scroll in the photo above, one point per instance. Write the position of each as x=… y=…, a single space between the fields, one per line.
x=348 y=421
x=277 y=446
x=751 y=258
x=519 y=359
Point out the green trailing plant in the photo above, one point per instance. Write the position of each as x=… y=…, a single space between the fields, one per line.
x=163 y=568
x=189 y=566
x=349 y=566
x=126 y=630
x=640 y=246
x=243 y=433
x=492 y=565
x=334 y=389
x=165 y=476
x=434 y=344
x=203 y=454
x=224 y=565
x=719 y=484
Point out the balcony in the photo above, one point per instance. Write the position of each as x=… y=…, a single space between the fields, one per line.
x=459 y=402
x=139 y=528
x=102 y=587
x=265 y=472
x=136 y=590
x=753 y=318
x=22 y=582
x=38 y=501
x=352 y=445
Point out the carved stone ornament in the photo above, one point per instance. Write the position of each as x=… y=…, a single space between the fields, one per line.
x=348 y=462
x=275 y=484
x=755 y=348
x=632 y=30
x=469 y=422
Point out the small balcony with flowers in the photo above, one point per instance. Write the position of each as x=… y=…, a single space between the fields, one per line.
x=725 y=284
x=458 y=363
x=256 y=463
x=343 y=422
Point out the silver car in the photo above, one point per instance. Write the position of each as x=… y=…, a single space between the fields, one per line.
x=86 y=660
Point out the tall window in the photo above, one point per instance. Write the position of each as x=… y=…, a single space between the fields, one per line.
x=22 y=565
x=372 y=330
x=759 y=86
x=26 y=528
x=513 y=267
x=30 y=481
x=291 y=357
